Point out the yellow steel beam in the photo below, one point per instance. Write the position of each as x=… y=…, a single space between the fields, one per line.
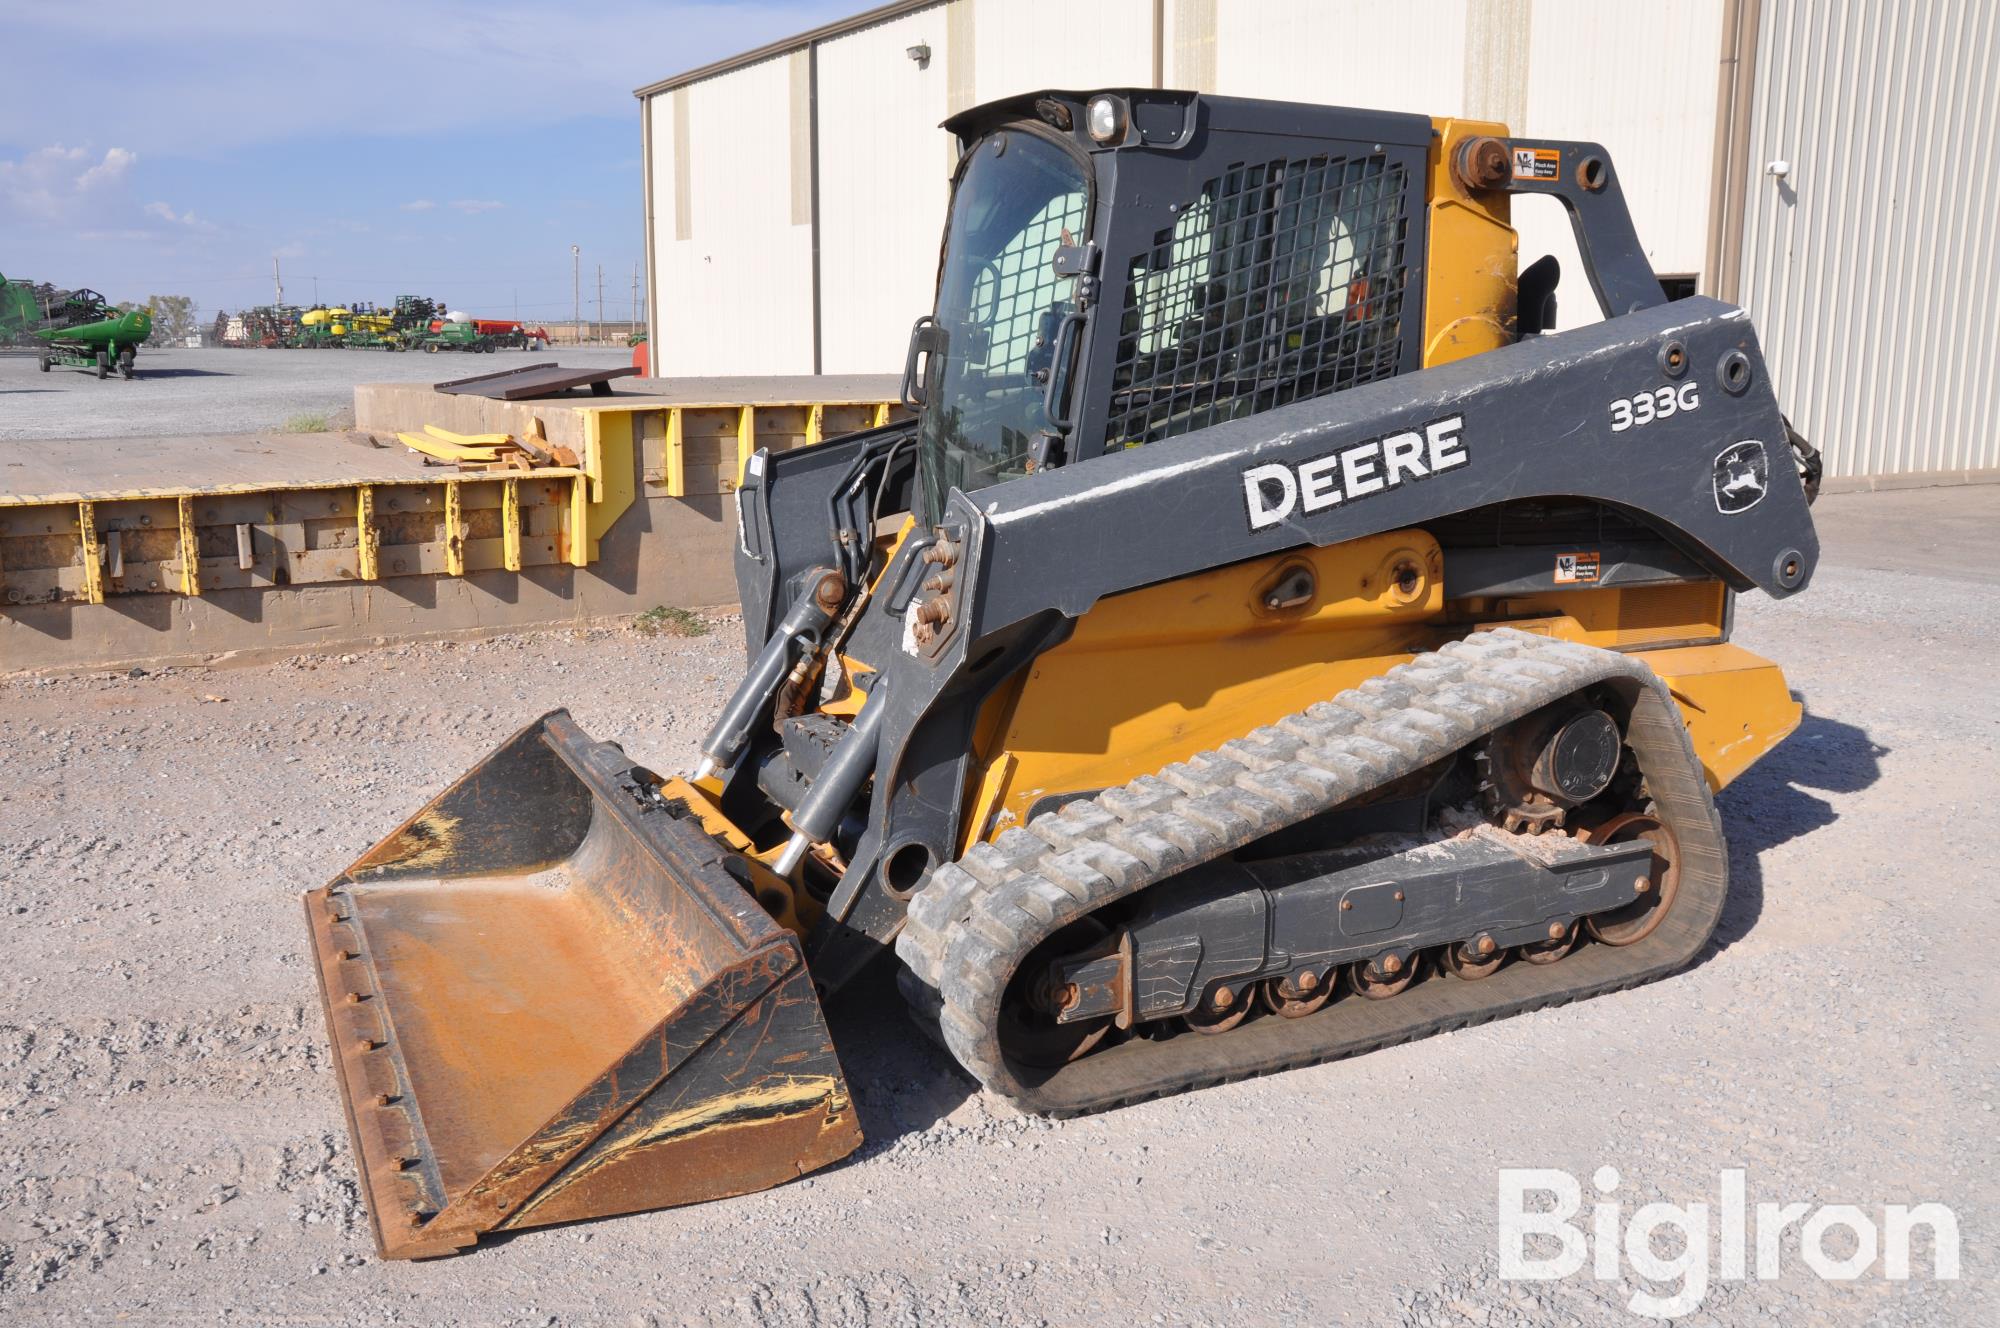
x=676 y=454
x=746 y=440
x=608 y=441
x=577 y=528
x=93 y=567
x=367 y=539
x=510 y=524
x=882 y=413
x=454 y=531
x=815 y=422
x=190 y=548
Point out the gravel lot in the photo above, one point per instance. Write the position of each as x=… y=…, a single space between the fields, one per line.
x=233 y=391
x=171 y=1146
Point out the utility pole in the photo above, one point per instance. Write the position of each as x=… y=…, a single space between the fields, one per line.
x=598 y=331
x=277 y=281
x=575 y=297
x=635 y=301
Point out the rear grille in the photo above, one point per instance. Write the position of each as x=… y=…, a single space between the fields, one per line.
x=1280 y=281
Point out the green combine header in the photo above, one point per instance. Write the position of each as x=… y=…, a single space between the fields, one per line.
x=77 y=328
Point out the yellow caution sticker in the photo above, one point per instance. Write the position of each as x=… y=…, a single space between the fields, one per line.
x=1537 y=163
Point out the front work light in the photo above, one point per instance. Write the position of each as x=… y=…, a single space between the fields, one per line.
x=1106 y=119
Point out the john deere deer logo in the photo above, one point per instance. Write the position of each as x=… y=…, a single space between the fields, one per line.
x=1742 y=476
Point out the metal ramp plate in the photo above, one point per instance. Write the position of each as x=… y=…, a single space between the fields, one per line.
x=531 y=381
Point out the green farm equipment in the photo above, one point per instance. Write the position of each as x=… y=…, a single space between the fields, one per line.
x=82 y=331
x=78 y=328
x=454 y=336
x=19 y=311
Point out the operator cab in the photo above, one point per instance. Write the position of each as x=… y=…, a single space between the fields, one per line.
x=1281 y=276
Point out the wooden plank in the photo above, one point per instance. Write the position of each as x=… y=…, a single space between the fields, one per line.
x=468 y=439
x=444 y=451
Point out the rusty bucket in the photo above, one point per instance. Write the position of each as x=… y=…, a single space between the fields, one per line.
x=550 y=999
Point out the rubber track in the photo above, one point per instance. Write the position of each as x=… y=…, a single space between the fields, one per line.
x=974 y=922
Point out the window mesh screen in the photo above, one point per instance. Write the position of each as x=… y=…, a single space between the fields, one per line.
x=1281 y=281
x=1019 y=298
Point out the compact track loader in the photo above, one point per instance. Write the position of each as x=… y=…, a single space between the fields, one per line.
x=1268 y=642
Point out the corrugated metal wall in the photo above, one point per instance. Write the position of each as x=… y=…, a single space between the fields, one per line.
x=1022 y=45
x=732 y=233
x=1872 y=267
x=884 y=177
x=1391 y=57
x=885 y=166
x=1640 y=79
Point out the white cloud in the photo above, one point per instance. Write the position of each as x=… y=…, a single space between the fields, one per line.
x=471 y=205
x=418 y=205
x=116 y=162
x=45 y=185
x=165 y=212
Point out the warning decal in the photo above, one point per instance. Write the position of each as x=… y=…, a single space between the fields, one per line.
x=1537 y=163
x=1575 y=568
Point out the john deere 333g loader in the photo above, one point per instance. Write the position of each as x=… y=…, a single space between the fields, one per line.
x=1266 y=643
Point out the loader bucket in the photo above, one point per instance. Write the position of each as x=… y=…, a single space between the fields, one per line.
x=550 y=999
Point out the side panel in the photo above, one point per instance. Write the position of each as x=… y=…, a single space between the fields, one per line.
x=1535 y=418
x=1155 y=675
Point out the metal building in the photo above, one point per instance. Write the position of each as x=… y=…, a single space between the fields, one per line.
x=1829 y=165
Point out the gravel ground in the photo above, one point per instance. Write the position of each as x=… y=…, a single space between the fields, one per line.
x=171 y=1145
x=233 y=391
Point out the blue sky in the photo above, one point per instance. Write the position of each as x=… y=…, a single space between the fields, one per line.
x=455 y=150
